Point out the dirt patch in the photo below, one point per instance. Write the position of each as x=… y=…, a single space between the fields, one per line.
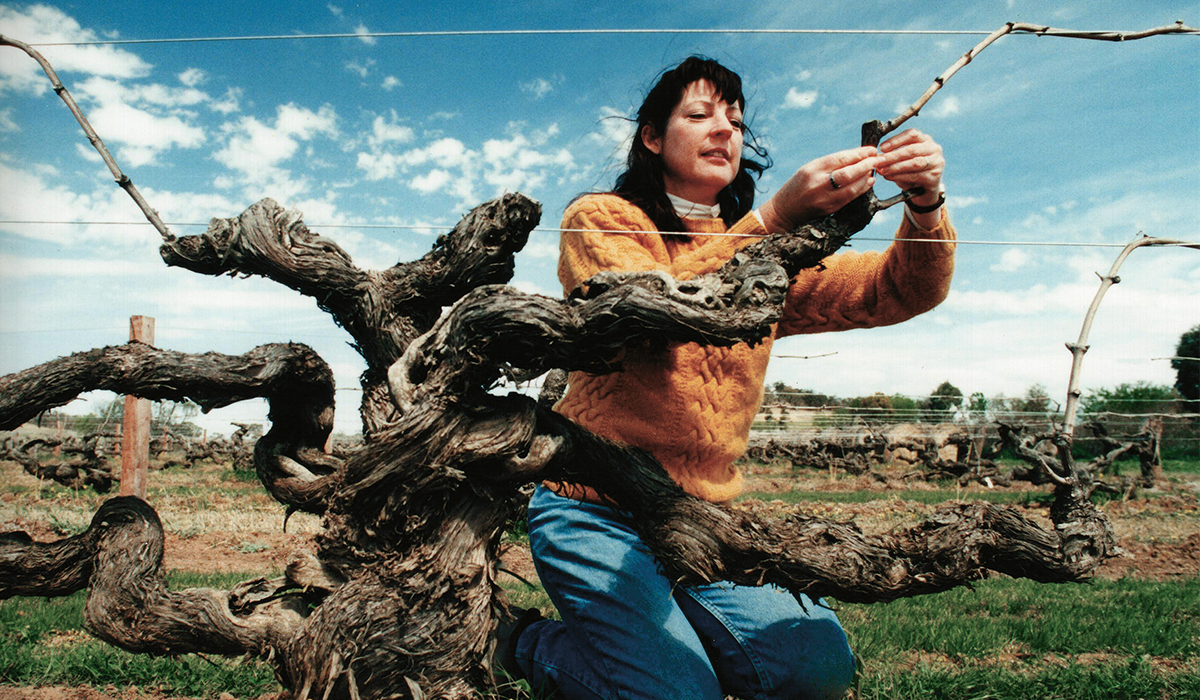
x=210 y=552
x=1156 y=561
x=216 y=552
x=515 y=560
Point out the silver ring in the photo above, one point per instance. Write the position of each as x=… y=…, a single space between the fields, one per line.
x=833 y=183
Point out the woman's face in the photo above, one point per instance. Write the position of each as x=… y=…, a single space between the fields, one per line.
x=702 y=144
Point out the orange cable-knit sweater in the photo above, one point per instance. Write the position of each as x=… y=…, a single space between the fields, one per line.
x=691 y=406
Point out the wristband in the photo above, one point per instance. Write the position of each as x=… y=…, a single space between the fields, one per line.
x=917 y=208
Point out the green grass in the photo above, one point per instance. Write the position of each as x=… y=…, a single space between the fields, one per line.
x=1004 y=639
x=1019 y=639
x=1127 y=616
x=1131 y=680
x=42 y=643
x=526 y=596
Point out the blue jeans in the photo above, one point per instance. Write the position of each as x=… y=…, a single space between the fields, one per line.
x=626 y=633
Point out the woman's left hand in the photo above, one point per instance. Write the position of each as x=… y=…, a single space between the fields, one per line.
x=913 y=159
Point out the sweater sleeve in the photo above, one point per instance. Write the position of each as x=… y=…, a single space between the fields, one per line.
x=605 y=232
x=863 y=290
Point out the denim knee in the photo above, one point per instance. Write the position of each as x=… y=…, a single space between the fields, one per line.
x=767 y=644
x=826 y=673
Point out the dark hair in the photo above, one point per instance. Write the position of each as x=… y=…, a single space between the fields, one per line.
x=642 y=182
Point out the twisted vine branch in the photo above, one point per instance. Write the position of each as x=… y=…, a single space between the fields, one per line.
x=884 y=128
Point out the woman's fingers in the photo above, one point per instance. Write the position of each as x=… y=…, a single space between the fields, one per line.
x=853 y=173
x=912 y=159
x=904 y=138
x=849 y=156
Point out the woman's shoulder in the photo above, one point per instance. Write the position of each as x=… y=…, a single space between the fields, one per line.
x=606 y=207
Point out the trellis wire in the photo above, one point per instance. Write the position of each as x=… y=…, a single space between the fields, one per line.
x=547 y=229
x=510 y=32
x=1047 y=31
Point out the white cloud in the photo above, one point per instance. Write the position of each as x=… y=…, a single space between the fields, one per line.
x=947 y=106
x=215 y=302
x=191 y=206
x=538 y=87
x=378 y=166
x=334 y=10
x=432 y=181
x=533 y=288
x=957 y=202
x=304 y=123
x=228 y=103
x=28 y=196
x=521 y=161
x=254 y=146
x=615 y=128
x=545 y=249
x=193 y=77
x=389 y=131
x=1011 y=260
x=144 y=119
x=1113 y=220
x=88 y=153
x=6 y=121
x=445 y=152
x=106 y=91
x=390 y=83
x=143 y=134
x=45 y=24
x=16 y=267
x=166 y=96
x=256 y=150
x=799 y=99
x=362 y=32
x=1024 y=302
x=362 y=69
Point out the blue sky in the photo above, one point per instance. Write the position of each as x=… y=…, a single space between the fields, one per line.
x=1046 y=140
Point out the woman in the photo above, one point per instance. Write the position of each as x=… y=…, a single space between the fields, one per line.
x=625 y=632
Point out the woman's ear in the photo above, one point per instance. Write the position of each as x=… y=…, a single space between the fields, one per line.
x=651 y=140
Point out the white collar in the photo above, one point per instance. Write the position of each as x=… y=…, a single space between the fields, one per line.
x=690 y=210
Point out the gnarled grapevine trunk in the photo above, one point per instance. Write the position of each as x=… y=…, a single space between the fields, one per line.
x=400 y=598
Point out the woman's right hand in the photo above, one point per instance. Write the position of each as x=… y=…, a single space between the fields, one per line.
x=810 y=193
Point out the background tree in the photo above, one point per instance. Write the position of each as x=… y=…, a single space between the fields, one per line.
x=943 y=402
x=977 y=406
x=782 y=393
x=105 y=418
x=878 y=402
x=1187 y=367
x=173 y=416
x=1035 y=403
x=165 y=415
x=1134 y=397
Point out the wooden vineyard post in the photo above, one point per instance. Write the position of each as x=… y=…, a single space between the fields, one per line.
x=135 y=435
